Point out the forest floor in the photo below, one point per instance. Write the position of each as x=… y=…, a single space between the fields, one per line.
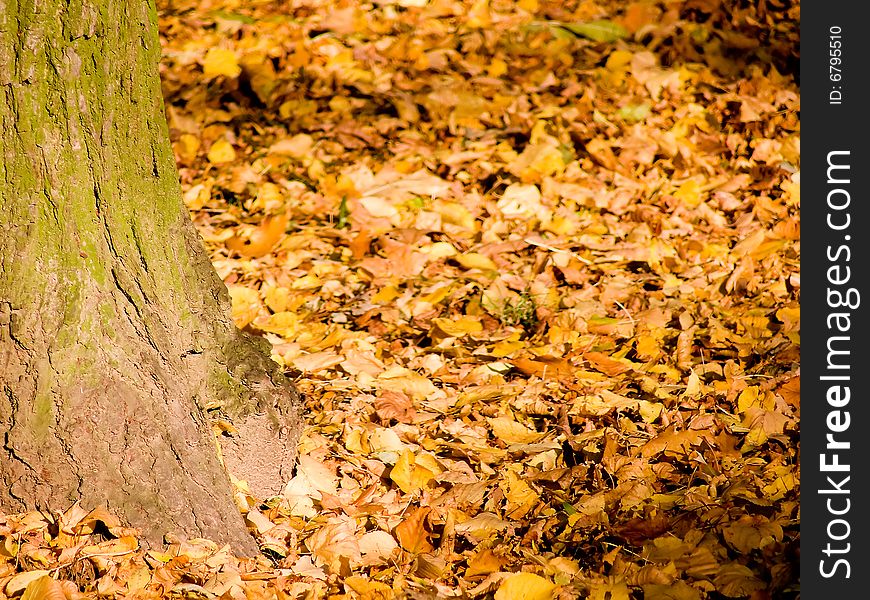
x=535 y=267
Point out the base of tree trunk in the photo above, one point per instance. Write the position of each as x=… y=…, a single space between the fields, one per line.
x=117 y=351
x=144 y=446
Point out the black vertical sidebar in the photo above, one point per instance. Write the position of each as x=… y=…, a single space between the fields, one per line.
x=835 y=259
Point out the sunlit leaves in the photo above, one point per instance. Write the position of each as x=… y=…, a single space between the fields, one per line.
x=220 y=61
x=536 y=269
x=525 y=586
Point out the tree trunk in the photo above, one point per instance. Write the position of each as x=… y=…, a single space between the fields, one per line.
x=116 y=345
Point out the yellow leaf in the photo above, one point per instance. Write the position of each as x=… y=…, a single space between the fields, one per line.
x=478 y=15
x=785 y=482
x=139 y=579
x=618 y=60
x=385 y=295
x=751 y=397
x=196 y=197
x=269 y=198
x=525 y=586
x=23 y=580
x=752 y=533
x=385 y=440
x=455 y=214
x=307 y=282
x=497 y=67
x=647 y=347
x=187 y=147
x=356 y=441
x=219 y=61
x=377 y=547
x=412 y=473
x=245 y=305
x=484 y=563
x=260 y=74
x=316 y=361
x=368 y=589
x=609 y=591
x=334 y=544
x=506 y=348
x=439 y=250
x=482 y=526
x=511 y=432
x=520 y=496
x=458 y=327
x=650 y=411
x=286 y=324
x=690 y=193
x=529 y=5
x=44 y=588
x=473 y=260
x=221 y=152
x=536 y=161
x=277 y=298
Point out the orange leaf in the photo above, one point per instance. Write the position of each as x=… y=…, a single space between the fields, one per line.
x=359 y=246
x=262 y=239
x=554 y=369
x=605 y=364
x=412 y=534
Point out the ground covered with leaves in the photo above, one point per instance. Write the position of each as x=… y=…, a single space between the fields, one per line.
x=535 y=266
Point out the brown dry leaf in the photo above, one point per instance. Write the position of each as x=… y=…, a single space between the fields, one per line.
x=316 y=361
x=395 y=405
x=750 y=534
x=737 y=581
x=377 y=547
x=335 y=546
x=674 y=443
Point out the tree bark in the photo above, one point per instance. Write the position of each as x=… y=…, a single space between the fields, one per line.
x=116 y=345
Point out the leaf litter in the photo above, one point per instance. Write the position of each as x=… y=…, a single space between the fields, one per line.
x=535 y=266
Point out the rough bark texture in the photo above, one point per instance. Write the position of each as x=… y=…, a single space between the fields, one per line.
x=116 y=347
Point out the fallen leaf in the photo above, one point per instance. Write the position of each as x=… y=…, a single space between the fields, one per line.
x=220 y=61
x=525 y=586
x=412 y=532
